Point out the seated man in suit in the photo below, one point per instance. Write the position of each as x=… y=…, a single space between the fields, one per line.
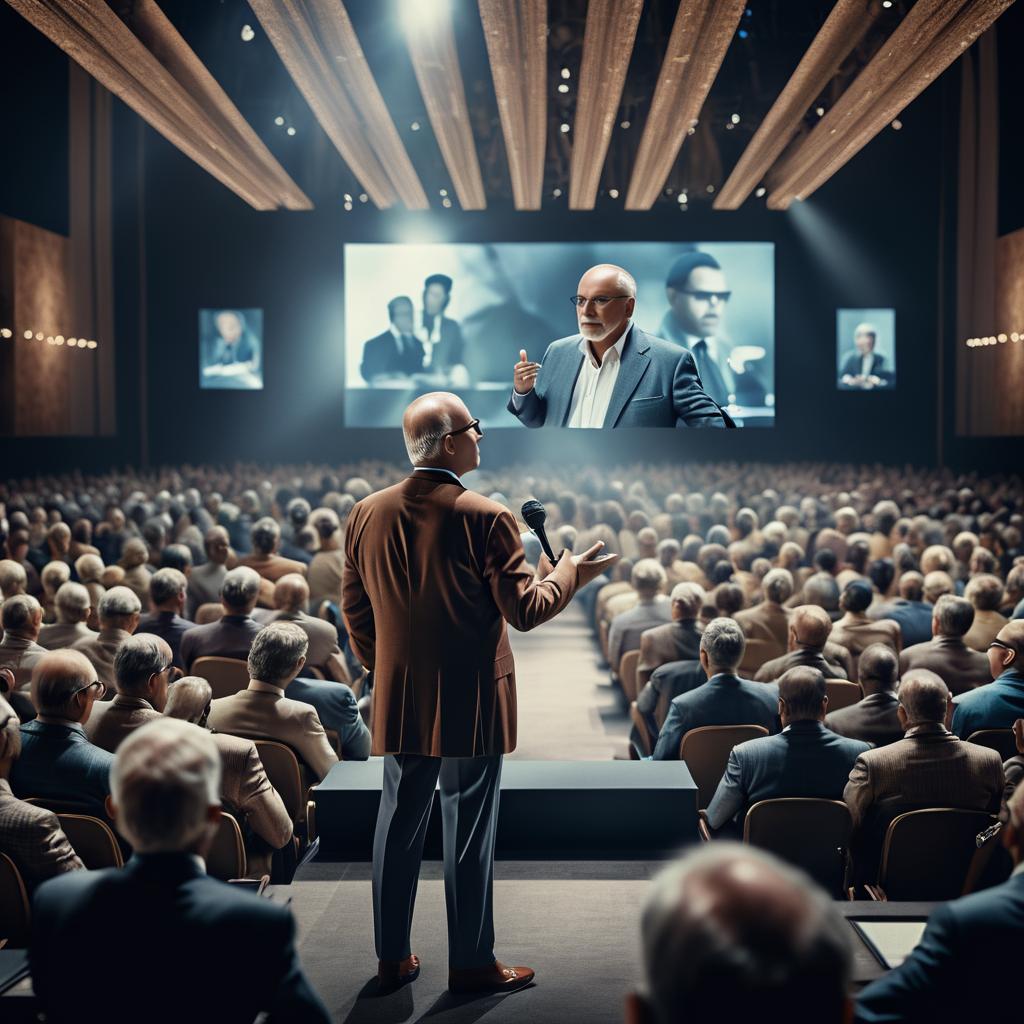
x=874 y=718
x=264 y=538
x=652 y=608
x=731 y=933
x=205 y=580
x=232 y=637
x=855 y=631
x=929 y=767
x=396 y=353
x=22 y=619
x=998 y=704
x=805 y=759
x=809 y=629
x=910 y=611
x=244 y=786
x=667 y=682
x=72 y=603
x=946 y=654
x=119 y=613
x=985 y=592
x=864 y=368
x=262 y=711
x=31 y=836
x=57 y=760
x=724 y=699
x=976 y=936
x=142 y=669
x=167 y=595
x=769 y=620
x=611 y=374
x=678 y=640
x=166 y=801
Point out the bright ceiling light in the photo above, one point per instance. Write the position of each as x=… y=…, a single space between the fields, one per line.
x=291 y=130
x=760 y=192
x=419 y=17
x=248 y=35
x=564 y=129
x=279 y=120
x=563 y=87
x=614 y=193
x=566 y=73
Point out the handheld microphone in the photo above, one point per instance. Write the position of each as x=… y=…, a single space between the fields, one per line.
x=534 y=516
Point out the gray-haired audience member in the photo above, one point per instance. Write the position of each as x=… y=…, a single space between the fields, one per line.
x=31 y=836
x=809 y=629
x=22 y=619
x=874 y=718
x=13 y=578
x=652 y=609
x=167 y=596
x=119 y=613
x=72 y=604
x=165 y=791
x=730 y=933
x=946 y=654
x=205 y=581
x=678 y=640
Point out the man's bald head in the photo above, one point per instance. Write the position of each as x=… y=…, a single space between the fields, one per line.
x=291 y=593
x=427 y=421
x=810 y=626
x=603 y=323
x=924 y=698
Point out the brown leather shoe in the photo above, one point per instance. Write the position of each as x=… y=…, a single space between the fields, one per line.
x=497 y=978
x=393 y=974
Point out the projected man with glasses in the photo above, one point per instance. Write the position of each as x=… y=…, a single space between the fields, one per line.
x=698 y=296
x=611 y=374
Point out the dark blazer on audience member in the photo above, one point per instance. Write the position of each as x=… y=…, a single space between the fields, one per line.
x=724 y=699
x=872 y=719
x=997 y=705
x=805 y=759
x=229 y=637
x=241 y=947
x=668 y=681
x=771 y=670
x=967 y=940
x=58 y=762
x=914 y=618
x=671 y=641
x=168 y=626
x=959 y=667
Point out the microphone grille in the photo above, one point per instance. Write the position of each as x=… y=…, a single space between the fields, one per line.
x=533 y=513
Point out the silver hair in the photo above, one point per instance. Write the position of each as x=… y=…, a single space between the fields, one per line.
x=691 y=596
x=188 y=698
x=19 y=612
x=89 y=568
x=118 y=601
x=265 y=534
x=778 y=585
x=166 y=584
x=276 y=651
x=72 y=602
x=55 y=574
x=137 y=658
x=240 y=587
x=723 y=642
x=10 y=732
x=165 y=778
x=955 y=615
x=648 y=575
x=427 y=445
x=12 y=574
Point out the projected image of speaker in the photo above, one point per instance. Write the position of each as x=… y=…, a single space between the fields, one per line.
x=865 y=349
x=456 y=317
x=231 y=349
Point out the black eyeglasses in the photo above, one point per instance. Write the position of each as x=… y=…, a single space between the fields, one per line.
x=471 y=425
x=708 y=296
x=579 y=301
x=89 y=686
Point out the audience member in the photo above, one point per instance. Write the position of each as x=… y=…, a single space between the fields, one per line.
x=678 y=640
x=327 y=565
x=909 y=611
x=873 y=719
x=167 y=596
x=31 y=836
x=53 y=576
x=996 y=705
x=206 y=580
x=119 y=613
x=142 y=668
x=652 y=609
x=13 y=579
x=135 y=562
x=57 y=760
x=1013 y=767
x=725 y=699
x=855 y=631
x=72 y=606
x=946 y=654
x=22 y=619
x=768 y=621
x=805 y=759
x=165 y=793
x=264 y=539
x=985 y=592
x=809 y=629
x=731 y=933
x=929 y=767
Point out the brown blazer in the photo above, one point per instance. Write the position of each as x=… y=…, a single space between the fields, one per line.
x=63 y=634
x=432 y=573
x=959 y=667
x=765 y=621
x=101 y=648
x=32 y=837
x=984 y=629
x=771 y=670
x=272 y=567
x=112 y=723
x=673 y=641
x=856 y=634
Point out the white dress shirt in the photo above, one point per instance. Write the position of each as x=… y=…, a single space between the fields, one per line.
x=865 y=364
x=595 y=383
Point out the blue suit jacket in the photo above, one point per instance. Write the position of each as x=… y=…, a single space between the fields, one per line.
x=187 y=947
x=722 y=700
x=657 y=386
x=58 y=762
x=914 y=617
x=996 y=705
x=804 y=760
x=971 y=939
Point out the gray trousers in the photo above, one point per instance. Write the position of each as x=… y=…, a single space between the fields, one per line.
x=469 y=815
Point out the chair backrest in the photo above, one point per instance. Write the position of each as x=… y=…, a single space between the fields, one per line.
x=602 y=635
x=643 y=734
x=226 y=857
x=661 y=708
x=706 y=752
x=282 y=767
x=14 y=905
x=211 y=612
x=813 y=834
x=758 y=653
x=927 y=853
x=226 y=676
x=1001 y=740
x=842 y=694
x=627 y=673
x=93 y=841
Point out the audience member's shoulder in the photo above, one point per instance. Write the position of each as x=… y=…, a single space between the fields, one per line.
x=57 y=893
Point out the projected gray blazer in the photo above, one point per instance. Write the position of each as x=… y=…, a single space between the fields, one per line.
x=657 y=386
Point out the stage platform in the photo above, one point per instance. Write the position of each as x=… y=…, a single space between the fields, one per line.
x=549 y=810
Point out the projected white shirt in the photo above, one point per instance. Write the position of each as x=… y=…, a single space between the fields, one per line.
x=595 y=384
x=866 y=362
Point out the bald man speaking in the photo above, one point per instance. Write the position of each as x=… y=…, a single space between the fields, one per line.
x=433 y=572
x=611 y=374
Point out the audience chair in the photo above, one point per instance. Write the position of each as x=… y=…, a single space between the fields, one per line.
x=14 y=906
x=706 y=752
x=627 y=673
x=207 y=613
x=813 y=834
x=927 y=854
x=282 y=767
x=758 y=653
x=61 y=806
x=226 y=857
x=93 y=840
x=1000 y=740
x=842 y=694
x=603 y=637
x=226 y=676
x=645 y=740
